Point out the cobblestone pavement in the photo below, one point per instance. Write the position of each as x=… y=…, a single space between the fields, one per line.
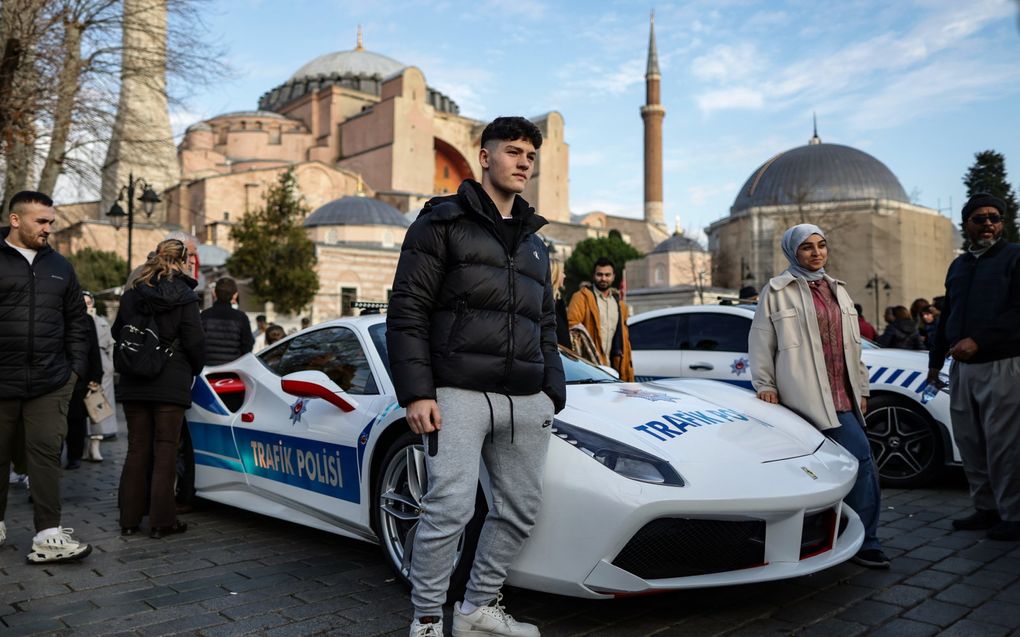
x=237 y=573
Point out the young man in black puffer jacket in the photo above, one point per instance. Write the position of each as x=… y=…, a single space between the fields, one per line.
x=227 y=331
x=43 y=351
x=471 y=333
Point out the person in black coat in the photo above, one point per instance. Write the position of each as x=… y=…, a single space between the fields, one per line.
x=557 y=276
x=77 y=416
x=155 y=407
x=901 y=332
x=227 y=331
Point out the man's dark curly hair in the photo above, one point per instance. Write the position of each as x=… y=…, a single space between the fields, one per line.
x=511 y=128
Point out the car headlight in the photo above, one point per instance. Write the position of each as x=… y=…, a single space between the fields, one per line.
x=623 y=459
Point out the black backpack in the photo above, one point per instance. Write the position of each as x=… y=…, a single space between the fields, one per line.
x=138 y=351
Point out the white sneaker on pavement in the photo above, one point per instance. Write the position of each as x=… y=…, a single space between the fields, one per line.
x=58 y=547
x=434 y=629
x=490 y=620
x=3 y=532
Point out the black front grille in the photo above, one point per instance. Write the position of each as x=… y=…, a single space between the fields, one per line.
x=680 y=547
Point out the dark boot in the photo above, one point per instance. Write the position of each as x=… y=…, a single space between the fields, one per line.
x=980 y=520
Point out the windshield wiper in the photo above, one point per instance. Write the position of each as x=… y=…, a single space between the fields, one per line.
x=592 y=381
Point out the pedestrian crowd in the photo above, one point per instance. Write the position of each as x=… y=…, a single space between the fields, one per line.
x=476 y=364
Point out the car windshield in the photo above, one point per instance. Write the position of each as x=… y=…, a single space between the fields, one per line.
x=577 y=371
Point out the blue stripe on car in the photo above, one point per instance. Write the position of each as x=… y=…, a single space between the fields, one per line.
x=218 y=462
x=892 y=377
x=876 y=375
x=910 y=379
x=203 y=396
x=212 y=438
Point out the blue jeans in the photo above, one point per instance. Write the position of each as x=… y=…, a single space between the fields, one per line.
x=865 y=498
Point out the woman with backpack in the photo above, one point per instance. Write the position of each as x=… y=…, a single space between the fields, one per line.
x=157 y=368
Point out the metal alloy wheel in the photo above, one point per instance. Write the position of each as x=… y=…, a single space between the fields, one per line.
x=403 y=481
x=905 y=444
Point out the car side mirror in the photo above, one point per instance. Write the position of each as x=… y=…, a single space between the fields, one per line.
x=315 y=384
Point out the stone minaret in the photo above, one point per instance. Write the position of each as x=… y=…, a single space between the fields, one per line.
x=652 y=113
x=142 y=143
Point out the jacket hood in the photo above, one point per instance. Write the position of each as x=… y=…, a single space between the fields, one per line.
x=169 y=293
x=5 y=232
x=588 y=285
x=468 y=201
x=786 y=278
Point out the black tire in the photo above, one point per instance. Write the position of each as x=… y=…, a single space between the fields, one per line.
x=906 y=443
x=395 y=512
x=184 y=484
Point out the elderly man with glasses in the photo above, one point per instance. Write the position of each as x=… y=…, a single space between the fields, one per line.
x=980 y=330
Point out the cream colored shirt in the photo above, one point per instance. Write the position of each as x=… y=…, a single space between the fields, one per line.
x=609 y=316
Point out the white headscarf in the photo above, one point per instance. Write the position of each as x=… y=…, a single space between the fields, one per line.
x=792 y=239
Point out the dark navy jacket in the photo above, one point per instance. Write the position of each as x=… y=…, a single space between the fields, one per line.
x=43 y=330
x=982 y=303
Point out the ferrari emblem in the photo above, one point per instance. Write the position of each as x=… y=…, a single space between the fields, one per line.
x=299 y=407
x=811 y=474
x=740 y=365
x=647 y=395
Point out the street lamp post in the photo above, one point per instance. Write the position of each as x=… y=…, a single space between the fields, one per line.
x=876 y=284
x=149 y=199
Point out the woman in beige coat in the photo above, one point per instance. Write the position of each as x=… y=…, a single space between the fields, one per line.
x=805 y=351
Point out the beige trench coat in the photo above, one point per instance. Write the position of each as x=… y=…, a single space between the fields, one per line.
x=785 y=350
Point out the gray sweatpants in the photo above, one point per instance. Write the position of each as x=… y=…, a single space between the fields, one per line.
x=985 y=408
x=472 y=430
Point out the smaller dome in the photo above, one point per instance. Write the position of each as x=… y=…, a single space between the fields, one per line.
x=356 y=211
x=678 y=243
x=200 y=126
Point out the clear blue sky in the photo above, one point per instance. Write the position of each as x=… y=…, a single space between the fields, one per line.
x=921 y=85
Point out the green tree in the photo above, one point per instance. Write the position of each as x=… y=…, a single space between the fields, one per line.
x=99 y=270
x=273 y=251
x=988 y=174
x=579 y=266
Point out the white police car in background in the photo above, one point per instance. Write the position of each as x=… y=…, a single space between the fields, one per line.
x=647 y=487
x=908 y=420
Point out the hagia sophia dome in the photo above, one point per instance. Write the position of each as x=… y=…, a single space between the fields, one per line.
x=359 y=63
x=818 y=173
x=358 y=69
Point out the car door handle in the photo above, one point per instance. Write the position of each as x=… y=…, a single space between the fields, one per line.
x=705 y=367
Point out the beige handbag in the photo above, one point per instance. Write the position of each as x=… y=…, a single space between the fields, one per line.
x=97 y=406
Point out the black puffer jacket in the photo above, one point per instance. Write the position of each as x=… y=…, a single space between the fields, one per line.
x=465 y=313
x=43 y=332
x=175 y=305
x=227 y=333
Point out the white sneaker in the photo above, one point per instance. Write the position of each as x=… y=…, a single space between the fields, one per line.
x=3 y=532
x=419 y=629
x=59 y=547
x=490 y=620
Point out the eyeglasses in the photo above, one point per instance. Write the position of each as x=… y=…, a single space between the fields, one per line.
x=981 y=219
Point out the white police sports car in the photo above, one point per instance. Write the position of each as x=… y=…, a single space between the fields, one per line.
x=647 y=487
x=908 y=419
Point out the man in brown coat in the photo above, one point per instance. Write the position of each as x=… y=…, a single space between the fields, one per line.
x=600 y=312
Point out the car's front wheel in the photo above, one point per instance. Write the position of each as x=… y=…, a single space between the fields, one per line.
x=400 y=482
x=905 y=442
